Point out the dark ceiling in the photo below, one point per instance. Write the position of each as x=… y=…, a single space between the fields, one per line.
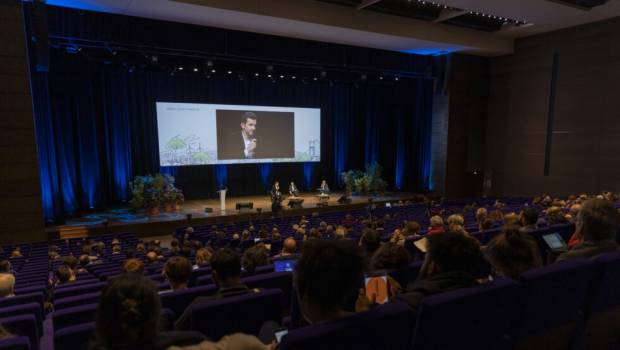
x=433 y=11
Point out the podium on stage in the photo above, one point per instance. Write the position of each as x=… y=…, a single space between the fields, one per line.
x=222 y=199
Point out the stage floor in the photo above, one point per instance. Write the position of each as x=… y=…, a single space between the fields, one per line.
x=193 y=213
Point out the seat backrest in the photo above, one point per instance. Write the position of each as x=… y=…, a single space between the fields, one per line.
x=273 y=280
x=76 y=337
x=180 y=300
x=551 y=297
x=605 y=289
x=36 y=297
x=470 y=318
x=15 y=343
x=82 y=299
x=77 y=290
x=73 y=315
x=385 y=327
x=23 y=325
x=243 y=313
x=34 y=309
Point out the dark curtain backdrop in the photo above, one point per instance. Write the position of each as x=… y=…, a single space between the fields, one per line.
x=96 y=129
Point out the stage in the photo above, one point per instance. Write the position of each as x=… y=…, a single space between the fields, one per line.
x=192 y=213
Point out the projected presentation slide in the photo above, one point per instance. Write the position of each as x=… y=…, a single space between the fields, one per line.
x=198 y=134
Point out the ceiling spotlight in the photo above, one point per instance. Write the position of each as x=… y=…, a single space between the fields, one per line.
x=181 y=68
x=396 y=78
x=195 y=69
x=281 y=76
x=256 y=74
x=363 y=76
x=229 y=72
x=154 y=59
x=268 y=75
x=293 y=77
x=213 y=71
x=269 y=68
x=381 y=78
x=209 y=63
x=315 y=79
x=323 y=74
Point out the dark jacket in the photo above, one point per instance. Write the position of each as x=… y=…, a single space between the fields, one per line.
x=183 y=322
x=589 y=249
x=233 y=147
x=440 y=283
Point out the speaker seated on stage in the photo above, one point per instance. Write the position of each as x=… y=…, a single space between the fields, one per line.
x=292 y=189
x=324 y=189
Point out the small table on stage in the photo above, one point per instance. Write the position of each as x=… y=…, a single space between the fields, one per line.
x=295 y=202
x=323 y=200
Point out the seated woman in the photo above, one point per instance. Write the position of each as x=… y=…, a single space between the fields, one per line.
x=513 y=252
x=128 y=317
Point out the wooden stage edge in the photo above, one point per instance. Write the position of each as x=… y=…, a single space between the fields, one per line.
x=123 y=219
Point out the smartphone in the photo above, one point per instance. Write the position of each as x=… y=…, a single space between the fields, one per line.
x=377 y=284
x=279 y=334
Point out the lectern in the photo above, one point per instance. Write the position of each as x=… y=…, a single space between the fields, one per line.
x=222 y=199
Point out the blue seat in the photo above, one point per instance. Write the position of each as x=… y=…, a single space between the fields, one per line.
x=243 y=313
x=15 y=343
x=470 y=318
x=385 y=327
x=550 y=305
x=602 y=329
x=77 y=337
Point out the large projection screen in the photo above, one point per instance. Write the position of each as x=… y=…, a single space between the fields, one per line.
x=201 y=134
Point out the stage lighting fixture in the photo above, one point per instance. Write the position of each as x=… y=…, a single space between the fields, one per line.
x=268 y=75
x=380 y=78
x=181 y=68
x=293 y=77
x=195 y=69
x=154 y=59
x=315 y=79
x=256 y=74
x=213 y=71
x=209 y=63
x=229 y=72
x=395 y=78
x=281 y=76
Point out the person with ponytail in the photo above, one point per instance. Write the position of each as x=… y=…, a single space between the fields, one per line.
x=128 y=317
x=513 y=252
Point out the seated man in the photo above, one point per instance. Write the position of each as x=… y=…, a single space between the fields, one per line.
x=178 y=271
x=452 y=262
x=5 y=267
x=528 y=220
x=328 y=274
x=64 y=275
x=292 y=189
x=7 y=285
x=288 y=248
x=595 y=226
x=226 y=272
x=132 y=266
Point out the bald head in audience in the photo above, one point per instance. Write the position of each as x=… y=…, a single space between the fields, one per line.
x=7 y=285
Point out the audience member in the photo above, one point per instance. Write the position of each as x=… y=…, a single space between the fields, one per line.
x=226 y=273
x=84 y=261
x=174 y=246
x=596 y=226
x=16 y=253
x=128 y=317
x=528 y=220
x=436 y=226
x=455 y=220
x=485 y=225
x=64 y=275
x=7 y=285
x=513 y=252
x=178 y=271
x=451 y=262
x=327 y=275
x=511 y=219
x=116 y=249
x=152 y=258
x=289 y=247
x=254 y=257
x=203 y=257
x=5 y=266
x=133 y=266
x=481 y=215
x=370 y=242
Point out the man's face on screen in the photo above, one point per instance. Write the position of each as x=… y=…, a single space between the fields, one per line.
x=249 y=127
